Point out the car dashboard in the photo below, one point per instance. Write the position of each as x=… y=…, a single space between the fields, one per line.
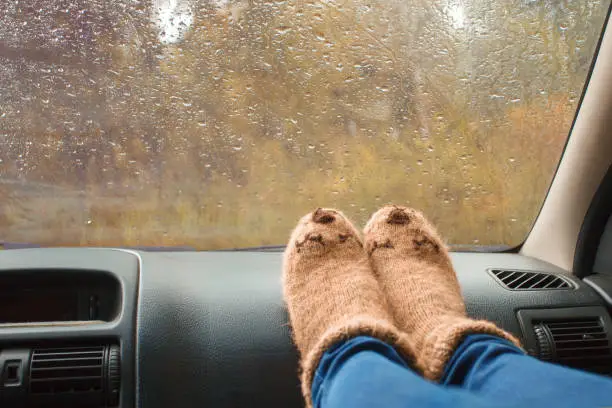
x=122 y=328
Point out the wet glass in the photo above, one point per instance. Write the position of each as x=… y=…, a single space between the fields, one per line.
x=216 y=124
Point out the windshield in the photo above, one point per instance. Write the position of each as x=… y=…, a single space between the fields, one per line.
x=217 y=123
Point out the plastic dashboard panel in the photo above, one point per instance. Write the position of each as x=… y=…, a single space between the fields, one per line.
x=210 y=328
x=123 y=265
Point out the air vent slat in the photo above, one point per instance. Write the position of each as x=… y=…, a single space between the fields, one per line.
x=524 y=280
x=67 y=372
x=69 y=367
x=80 y=361
x=539 y=283
x=579 y=336
x=509 y=276
x=80 y=378
x=584 y=360
x=546 y=281
x=554 y=284
x=582 y=355
x=503 y=274
x=528 y=282
x=580 y=342
x=518 y=280
x=606 y=348
x=65 y=386
x=583 y=329
x=67 y=349
x=48 y=356
x=572 y=323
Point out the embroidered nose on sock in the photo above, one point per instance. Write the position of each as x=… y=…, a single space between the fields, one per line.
x=321 y=216
x=398 y=216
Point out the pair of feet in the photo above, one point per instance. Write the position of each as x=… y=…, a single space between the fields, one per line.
x=397 y=285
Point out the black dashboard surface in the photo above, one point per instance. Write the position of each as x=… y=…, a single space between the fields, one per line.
x=210 y=328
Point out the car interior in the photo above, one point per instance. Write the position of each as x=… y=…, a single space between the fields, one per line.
x=118 y=327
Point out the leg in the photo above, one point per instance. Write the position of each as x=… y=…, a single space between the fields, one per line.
x=415 y=271
x=365 y=372
x=331 y=292
x=491 y=366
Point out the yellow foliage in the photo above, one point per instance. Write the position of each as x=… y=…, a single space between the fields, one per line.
x=267 y=110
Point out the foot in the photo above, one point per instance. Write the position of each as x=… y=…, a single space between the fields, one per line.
x=330 y=291
x=414 y=269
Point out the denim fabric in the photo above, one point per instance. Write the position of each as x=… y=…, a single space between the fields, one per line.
x=484 y=371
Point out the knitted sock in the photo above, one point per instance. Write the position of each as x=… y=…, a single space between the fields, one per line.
x=331 y=293
x=414 y=269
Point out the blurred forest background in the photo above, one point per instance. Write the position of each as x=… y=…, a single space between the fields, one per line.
x=217 y=123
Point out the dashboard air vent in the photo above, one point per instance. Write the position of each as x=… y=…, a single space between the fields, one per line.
x=67 y=370
x=522 y=280
x=581 y=343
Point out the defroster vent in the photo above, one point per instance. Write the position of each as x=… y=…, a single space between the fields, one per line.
x=523 y=280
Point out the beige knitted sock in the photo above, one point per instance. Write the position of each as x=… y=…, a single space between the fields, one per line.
x=331 y=293
x=414 y=269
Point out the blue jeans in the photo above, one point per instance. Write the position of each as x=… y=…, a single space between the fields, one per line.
x=485 y=371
